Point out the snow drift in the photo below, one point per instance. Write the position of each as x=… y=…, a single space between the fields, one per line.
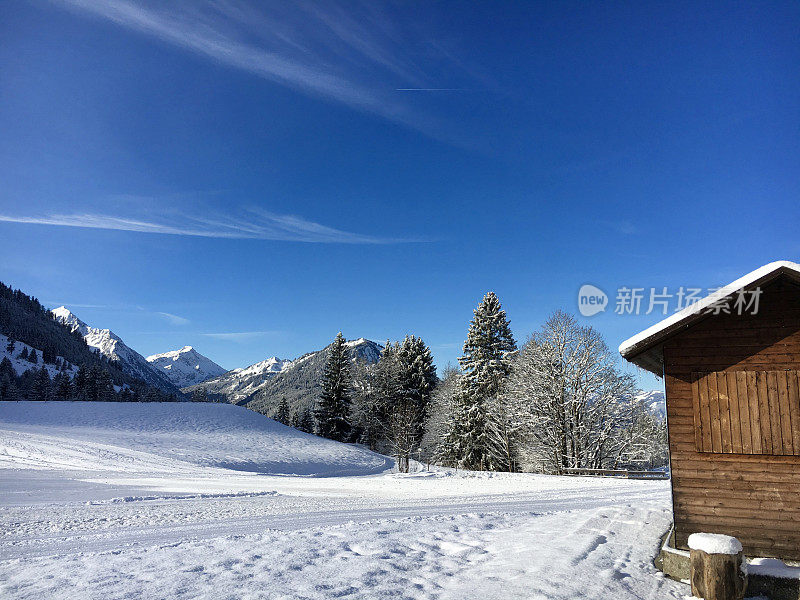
x=178 y=437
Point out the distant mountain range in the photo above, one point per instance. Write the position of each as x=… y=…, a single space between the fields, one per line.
x=655 y=400
x=62 y=341
x=260 y=386
x=186 y=366
x=112 y=347
x=36 y=339
x=238 y=384
x=263 y=385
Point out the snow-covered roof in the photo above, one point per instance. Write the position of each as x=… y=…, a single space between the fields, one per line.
x=635 y=348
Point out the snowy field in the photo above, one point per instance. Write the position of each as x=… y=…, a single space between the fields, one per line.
x=208 y=501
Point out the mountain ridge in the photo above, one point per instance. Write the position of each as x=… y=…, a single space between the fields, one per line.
x=297 y=380
x=112 y=347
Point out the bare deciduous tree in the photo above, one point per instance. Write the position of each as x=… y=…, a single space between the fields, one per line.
x=568 y=405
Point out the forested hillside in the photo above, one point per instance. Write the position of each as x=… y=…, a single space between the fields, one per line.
x=62 y=365
x=301 y=384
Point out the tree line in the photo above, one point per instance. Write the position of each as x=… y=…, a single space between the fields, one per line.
x=60 y=364
x=92 y=383
x=558 y=402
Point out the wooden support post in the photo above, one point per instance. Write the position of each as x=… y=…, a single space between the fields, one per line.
x=717 y=571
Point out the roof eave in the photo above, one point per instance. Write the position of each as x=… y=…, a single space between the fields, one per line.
x=647 y=353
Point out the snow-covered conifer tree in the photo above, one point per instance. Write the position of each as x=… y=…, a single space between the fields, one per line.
x=417 y=379
x=333 y=407
x=475 y=437
x=282 y=413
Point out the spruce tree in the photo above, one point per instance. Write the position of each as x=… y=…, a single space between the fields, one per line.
x=41 y=385
x=7 y=378
x=82 y=384
x=473 y=440
x=62 y=386
x=32 y=357
x=24 y=354
x=6 y=368
x=10 y=347
x=333 y=407
x=282 y=414
x=306 y=421
x=8 y=388
x=417 y=378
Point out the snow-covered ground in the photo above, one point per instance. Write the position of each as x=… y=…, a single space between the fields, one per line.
x=102 y=501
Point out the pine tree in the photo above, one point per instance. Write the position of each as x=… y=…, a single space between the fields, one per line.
x=333 y=407
x=24 y=354
x=82 y=384
x=7 y=378
x=306 y=421
x=417 y=378
x=6 y=368
x=32 y=357
x=41 y=385
x=10 y=347
x=475 y=437
x=8 y=388
x=282 y=414
x=414 y=374
x=62 y=386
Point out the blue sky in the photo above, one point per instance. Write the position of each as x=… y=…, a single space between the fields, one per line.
x=251 y=178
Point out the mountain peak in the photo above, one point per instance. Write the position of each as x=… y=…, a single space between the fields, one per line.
x=294 y=378
x=67 y=317
x=186 y=366
x=111 y=346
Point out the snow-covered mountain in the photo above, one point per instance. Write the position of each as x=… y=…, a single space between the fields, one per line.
x=655 y=400
x=186 y=366
x=289 y=378
x=238 y=384
x=112 y=347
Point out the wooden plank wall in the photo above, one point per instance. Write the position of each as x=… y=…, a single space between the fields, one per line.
x=728 y=406
x=753 y=495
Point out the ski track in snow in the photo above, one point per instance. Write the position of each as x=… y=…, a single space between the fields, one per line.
x=84 y=519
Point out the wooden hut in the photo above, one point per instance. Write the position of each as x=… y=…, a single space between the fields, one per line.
x=733 y=410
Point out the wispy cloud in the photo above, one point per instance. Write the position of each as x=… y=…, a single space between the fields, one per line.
x=430 y=90
x=350 y=53
x=71 y=305
x=238 y=336
x=174 y=319
x=253 y=224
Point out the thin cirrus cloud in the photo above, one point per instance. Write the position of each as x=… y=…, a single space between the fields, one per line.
x=255 y=224
x=351 y=54
x=173 y=319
